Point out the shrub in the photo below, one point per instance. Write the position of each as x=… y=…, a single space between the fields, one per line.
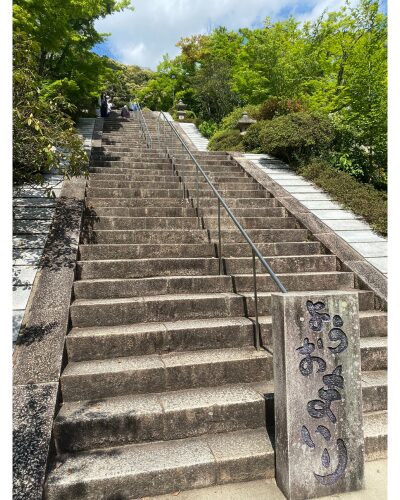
x=297 y=136
x=251 y=139
x=207 y=129
x=226 y=140
x=44 y=137
x=363 y=199
x=275 y=106
x=230 y=121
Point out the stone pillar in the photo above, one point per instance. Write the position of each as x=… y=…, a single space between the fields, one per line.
x=319 y=442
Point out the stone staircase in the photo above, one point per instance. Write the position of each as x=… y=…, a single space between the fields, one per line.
x=163 y=389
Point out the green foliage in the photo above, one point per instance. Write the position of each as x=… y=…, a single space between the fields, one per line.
x=230 y=121
x=362 y=199
x=56 y=79
x=251 y=139
x=275 y=106
x=207 y=129
x=335 y=65
x=226 y=140
x=297 y=136
x=44 y=137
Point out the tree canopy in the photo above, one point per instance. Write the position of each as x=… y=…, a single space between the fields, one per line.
x=336 y=65
x=56 y=78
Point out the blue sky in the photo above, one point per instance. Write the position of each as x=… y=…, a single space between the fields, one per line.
x=143 y=36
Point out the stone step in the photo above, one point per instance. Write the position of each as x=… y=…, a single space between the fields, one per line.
x=365 y=297
x=183 y=212
x=375 y=435
x=157 y=338
x=252 y=222
x=169 y=193
x=373 y=353
x=143 y=202
x=97 y=379
x=260 y=235
x=173 y=307
x=171 y=183
x=375 y=324
x=247 y=203
x=163 y=285
x=146 y=236
x=155 y=308
x=154 y=223
x=129 y=223
x=137 y=471
x=83 y=425
x=141 y=268
x=141 y=251
x=132 y=193
x=374 y=389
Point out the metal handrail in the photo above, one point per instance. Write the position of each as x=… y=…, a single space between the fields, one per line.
x=143 y=126
x=221 y=201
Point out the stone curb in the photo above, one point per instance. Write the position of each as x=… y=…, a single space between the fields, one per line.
x=367 y=276
x=39 y=353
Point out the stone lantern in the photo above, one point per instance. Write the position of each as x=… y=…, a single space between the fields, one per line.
x=244 y=123
x=180 y=107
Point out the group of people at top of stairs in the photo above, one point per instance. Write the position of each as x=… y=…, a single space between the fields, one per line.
x=106 y=104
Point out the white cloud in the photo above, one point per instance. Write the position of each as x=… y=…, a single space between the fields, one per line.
x=153 y=29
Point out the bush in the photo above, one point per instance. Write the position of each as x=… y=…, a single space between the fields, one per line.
x=44 y=137
x=251 y=139
x=230 y=121
x=207 y=129
x=363 y=199
x=226 y=140
x=297 y=136
x=276 y=106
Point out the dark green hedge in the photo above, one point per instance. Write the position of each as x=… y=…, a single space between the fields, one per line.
x=362 y=199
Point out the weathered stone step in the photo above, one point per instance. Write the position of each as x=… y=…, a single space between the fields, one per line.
x=375 y=324
x=150 y=338
x=154 y=223
x=365 y=297
x=195 y=236
x=252 y=222
x=132 y=164
x=185 y=202
x=228 y=193
x=83 y=425
x=173 y=222
x=157 y=338
x=96 y=379
x=136 y=471
x=122 y=288
x=172 y=183
x=143 y=251
x=132 y=193
x=140 y=202
x=208 y=169
x=147 y=236
x=155 y=308
x=137 y=251
x=260 y=235
x=188 y=211
x=180 y=211
x=375 y=435
x=139 y=287
x=141 y=268
x=373 y=353
x=374 y=389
